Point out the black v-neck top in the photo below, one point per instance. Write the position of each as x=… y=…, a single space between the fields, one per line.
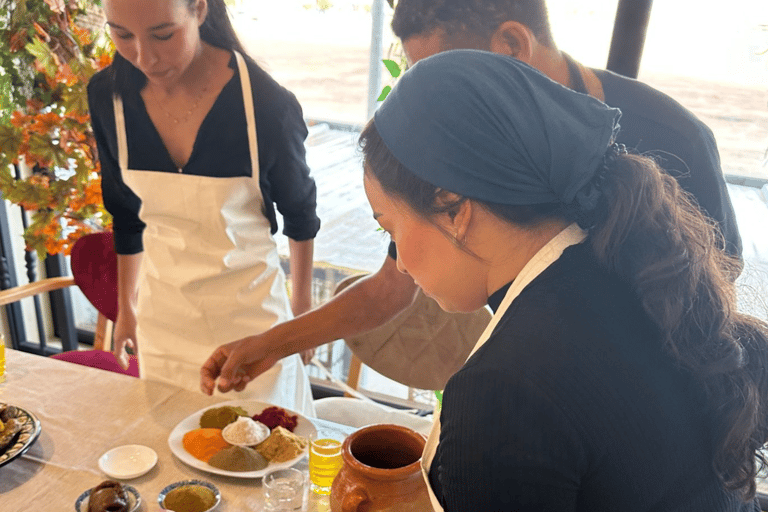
x=221 y=150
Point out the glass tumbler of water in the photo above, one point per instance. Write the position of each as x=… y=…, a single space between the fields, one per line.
x=284 y=490
x=325 y=459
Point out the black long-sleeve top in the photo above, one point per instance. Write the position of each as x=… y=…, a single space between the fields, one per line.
x=221 y=150
x=572 y=405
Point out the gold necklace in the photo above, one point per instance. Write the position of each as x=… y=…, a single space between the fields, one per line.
x=190 y=110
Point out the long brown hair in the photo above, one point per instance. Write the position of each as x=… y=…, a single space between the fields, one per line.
x=654 y=235
x=650 y=232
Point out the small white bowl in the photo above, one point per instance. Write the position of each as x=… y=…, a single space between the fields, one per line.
x=263 y=431
x=202 y=483
x=129 y=461
x=134 y=499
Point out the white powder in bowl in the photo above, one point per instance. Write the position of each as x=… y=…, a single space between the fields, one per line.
x=245 y=432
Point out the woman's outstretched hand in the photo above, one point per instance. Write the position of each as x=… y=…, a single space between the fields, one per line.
x=236 y=364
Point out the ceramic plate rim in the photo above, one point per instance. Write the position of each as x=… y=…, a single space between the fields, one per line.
x=304 y=428
x=193 y=481
x=129 y=489
x=127 y=476
x=33 y=425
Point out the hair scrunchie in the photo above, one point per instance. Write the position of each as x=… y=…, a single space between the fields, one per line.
x=587 y=200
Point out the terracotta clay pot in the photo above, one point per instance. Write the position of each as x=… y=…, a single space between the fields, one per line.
x=381 y=472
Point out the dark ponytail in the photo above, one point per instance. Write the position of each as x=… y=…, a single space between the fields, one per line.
x=653 y=235
x=216 y=30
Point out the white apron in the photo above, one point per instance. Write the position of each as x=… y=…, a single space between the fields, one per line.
x=547 y=255
x=210 y=272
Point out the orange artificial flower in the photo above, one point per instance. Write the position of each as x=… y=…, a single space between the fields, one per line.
x=40 y=180
x=93 y=193
x=52 y=229
x=64 y=76
x=82 y=35
x=78 y=117
x=18 y=119
x=44 y=123
x=54 y=246
x=18 y=41
x=41 y=31
x=105 y=60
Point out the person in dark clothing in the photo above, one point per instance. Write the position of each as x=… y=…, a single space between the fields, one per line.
x=197 y=145
x=651 y=122
x=616 y=373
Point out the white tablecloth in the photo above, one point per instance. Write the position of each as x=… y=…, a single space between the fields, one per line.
x=84 y=412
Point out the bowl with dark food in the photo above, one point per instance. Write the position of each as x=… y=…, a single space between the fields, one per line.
x=109 y=496
x=19 y=429
x=189 y=496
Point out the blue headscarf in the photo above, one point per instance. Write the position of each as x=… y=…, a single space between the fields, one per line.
x=492 y=128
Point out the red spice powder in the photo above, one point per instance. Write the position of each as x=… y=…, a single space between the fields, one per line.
x=274 y=416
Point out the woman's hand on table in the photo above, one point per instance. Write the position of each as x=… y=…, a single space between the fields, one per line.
x=124 y=337
x=236 y=364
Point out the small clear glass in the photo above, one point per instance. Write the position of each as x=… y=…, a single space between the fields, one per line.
x=284 y=490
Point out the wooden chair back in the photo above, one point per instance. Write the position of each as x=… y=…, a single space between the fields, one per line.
x=103 y=332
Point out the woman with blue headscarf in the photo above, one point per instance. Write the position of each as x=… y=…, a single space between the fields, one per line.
x=616 y=373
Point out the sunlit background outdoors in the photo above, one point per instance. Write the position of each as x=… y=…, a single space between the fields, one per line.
x=710 y=59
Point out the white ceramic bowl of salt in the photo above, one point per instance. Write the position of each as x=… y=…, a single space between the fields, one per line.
x=245 y=432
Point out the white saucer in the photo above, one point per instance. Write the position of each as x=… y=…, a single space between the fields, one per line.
x=129 y=461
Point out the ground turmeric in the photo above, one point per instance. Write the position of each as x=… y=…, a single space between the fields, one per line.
x=204 y=443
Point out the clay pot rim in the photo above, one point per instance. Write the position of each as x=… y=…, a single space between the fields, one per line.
x=382 y=473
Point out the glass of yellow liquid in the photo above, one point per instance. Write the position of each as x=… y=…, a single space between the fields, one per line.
x=2 y=358
x=324 y=459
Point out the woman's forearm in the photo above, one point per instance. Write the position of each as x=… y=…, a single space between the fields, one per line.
x=301 y=254
x=128 y=266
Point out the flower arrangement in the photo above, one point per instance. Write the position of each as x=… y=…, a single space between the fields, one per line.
x=48 y=53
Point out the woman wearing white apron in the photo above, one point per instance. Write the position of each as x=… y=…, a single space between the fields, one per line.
x=615 y=374
x=185 y=177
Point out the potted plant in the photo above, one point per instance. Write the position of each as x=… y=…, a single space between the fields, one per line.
x=49 y=50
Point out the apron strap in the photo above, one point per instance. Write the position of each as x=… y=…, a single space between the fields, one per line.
x=583 y=79
x=547 y=255
x=577 y=81
x=122 y=139
x=250 y=116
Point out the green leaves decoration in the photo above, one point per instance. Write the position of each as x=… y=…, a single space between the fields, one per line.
x=43 y=54
x=395 y=70
x=393 y=67
x=49 y=50
x=384 y=93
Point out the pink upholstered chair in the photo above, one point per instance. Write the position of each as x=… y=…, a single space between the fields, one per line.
x=94 y=271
